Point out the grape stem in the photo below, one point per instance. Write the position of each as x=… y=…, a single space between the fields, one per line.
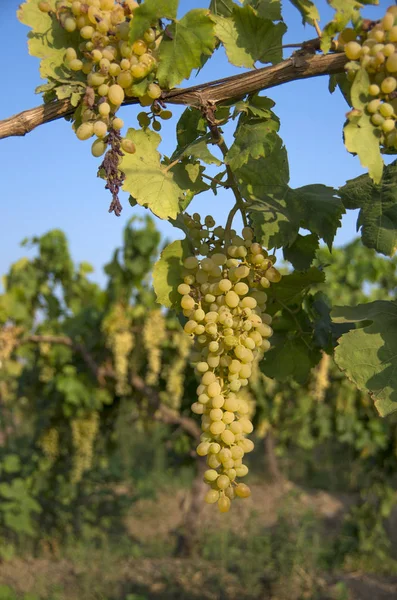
x=208 y=110
x=216 y=181
x=232 y=183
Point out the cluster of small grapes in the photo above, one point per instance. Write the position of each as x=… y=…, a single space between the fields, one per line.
x=224 y=301
x=377 y=54
x=110 y=62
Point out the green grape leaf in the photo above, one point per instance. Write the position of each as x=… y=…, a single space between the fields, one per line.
x=378 y=209
x=253 y=139
x=345 y=10
x=47 y=40
x=248 y=38
x=149 y=13
x=368 y=355
x=256 y=106
x=302 y=252
x=291 y=288
x=167 y=273
x=278 y=211
x=198 y=149
x=321 y=209
x=190 y=126
x=222 y=7
x=267 y=9
x=150 y=183
x=308 y=10
x=290 y=357
x=184 y=47
x=360 y=135
x=361 y=139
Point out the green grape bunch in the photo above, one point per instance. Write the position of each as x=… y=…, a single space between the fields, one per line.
x=223 y=298
x=111 y=66
x=377 y=54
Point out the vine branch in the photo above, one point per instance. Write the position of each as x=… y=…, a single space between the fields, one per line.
x=220 y=90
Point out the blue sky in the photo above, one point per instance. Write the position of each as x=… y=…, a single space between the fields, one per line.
x=49 y=177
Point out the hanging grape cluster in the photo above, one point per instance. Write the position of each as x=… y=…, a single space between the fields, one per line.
x=377 y=54
x=224 y=300
x=111 y=65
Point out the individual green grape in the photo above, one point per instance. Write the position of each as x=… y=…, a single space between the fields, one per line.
x=388 y=85
x=98 y=148
x=128 y=146
x=242 y=491
x=143 y=119
x=154 y=91
x=116 y=94
x=165 y=115
x=156 y=126
x=85 y=131
x=117 y=123
x=45 y=7
x=100 y=129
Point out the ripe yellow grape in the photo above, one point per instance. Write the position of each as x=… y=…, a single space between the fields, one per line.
x=116 y=94
x=128 y=146
x=98 y=148
x=85 y=131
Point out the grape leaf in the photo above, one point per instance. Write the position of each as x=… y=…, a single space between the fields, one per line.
x=190 y=126
x=167 y=273
x=149 y=13
x=222 y=7
x=254 y=139
x=302 y=252
x=47 y=40
x=308 y=10
x=291 y=288
x=256 y=106
x=378 y=209
x=278 y=211
x=268 y=9
x=185 y=46
x=321 y=210
x=249 y=38
x=148 y=181
x=368 y=355
x=290 y=357
x=360 y=135
x=345 y=10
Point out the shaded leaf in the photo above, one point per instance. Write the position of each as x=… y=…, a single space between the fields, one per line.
x=291 y=357
x=302 y=252
x=268 y=9
x=291 y=288
x=253 y=139
x=378 y=209
x=369 y=355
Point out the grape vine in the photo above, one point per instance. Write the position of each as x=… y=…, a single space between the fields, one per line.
x=101 y=54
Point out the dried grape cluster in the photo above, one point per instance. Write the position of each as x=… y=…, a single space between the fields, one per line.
x=223 y=298
x=112 y=66
x=377 y=54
